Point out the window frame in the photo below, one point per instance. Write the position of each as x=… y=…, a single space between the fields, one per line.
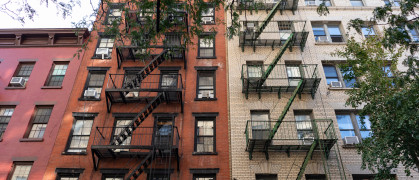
x=19 y=163
x=340 y=75
x=6 y=124
x=50 y=75
x=326 y=26
x=208 y=6
x=196 y=136
x=97 y=56
x=32 y=123
x=362 y=2
x=212 y=35
x=108 y=13
x=357 y=130
x=70 y=137
x=213 y=85
x=95 y=70
x=17 y=71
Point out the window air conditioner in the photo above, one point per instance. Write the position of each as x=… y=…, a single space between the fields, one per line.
x=336 y=84
x=206 y=94
x=103 y=51
x=207 y=20
x=90 y=93
x=311 y=3
x=139 y=51
x=17 y=81
x=322 y=39
x=351 y=140
x=131 y=95
x=308 y=140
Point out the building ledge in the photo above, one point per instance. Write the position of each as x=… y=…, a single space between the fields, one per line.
x=73 y=153
x=205 y=99
x=330 y=43
x=15 y=87
x=31 y=140
x=204 y=153
x=51 y=87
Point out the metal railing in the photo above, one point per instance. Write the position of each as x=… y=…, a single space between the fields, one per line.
x=281 y=75
x=153 y=82
x=141 y=138
x=291 y=132
x=266 y=4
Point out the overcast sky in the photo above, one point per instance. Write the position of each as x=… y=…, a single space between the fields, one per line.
x=48 y=18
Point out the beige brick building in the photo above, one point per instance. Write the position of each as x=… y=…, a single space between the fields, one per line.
x=252 y=118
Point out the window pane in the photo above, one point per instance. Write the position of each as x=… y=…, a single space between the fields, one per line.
x=344 y=121
x=205 y=128
x=205 y=144
x=357 y=3
x=345 y=133
x=25 y=70
x=293 y=71
x=96 y=80
x=318 y=30
x=21 y=172
x=334 y=30
x=348 y=83
x=37 y=131
x=368 y=31
x=366 y=125
x=42 y=115
x=5 y=115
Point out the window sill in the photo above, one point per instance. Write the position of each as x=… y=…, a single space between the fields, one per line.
x=209 y=24
x=204 y=153
x=108 y=58
x=205 y=99
x=349 y=146
x=211 y=57
x=51 y=87
x=88 y=99
x=15 y=87
x=330 y=43
x=339 y=89
x=31 y=140
x=74 y=153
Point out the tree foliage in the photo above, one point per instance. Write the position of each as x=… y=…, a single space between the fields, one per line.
x=389 y=96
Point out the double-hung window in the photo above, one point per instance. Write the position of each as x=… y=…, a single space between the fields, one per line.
x=335 y=77
x=57 y=73
x=5 y=116
x=304 y=128
x=208 y=15
x=294 y=74
x=368 y=31
x=350 y=124
x=23 y=71
x=79 y=136
x=357 y=3
x=114 y=14
x=104 y=47
x=260 y=124
x=327 y=33
x=414 y=34
x=39 y=122
x=205 y=134
x=206 y=46
x=94 y=85
x=206 y=85
x=21 y=170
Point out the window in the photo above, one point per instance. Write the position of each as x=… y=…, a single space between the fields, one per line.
x=24 y=70
x=114 y=14
x=327 y=33
x=94 y=83
x=317 y=2
x=68 y=173
x=357 y=3
x=368 y=31
x=260 y=124
x=304 y=128
x=204 y=177
x=104 y=47
x=334 y=74
x=254 y=69
x=21 y=170
x=206 y=46
x=205 y=134
x=266 y=177
x=39 y=122
x=206 y=85
x=414 y=34
x=5 y=116
x=208 y=15
x=387 y=71
x=57 y=74
x=79 y=136
x=395 y=3
x=120 y=124
x=350 y=125
x=131 y=82
x=293 y=73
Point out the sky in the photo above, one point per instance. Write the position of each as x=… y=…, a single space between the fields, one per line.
x=47 y=16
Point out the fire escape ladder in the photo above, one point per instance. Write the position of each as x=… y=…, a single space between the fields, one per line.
x=141 y=116
x=145 y=163
x=275 y=61
x=153 y=64
x=306 y=159
x=267 y=20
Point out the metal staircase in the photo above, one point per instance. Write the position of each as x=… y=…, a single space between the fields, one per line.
x=267 y=20
x=145 y=163
x=141 y=116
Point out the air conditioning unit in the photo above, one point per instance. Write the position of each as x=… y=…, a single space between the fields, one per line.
x=90 y=93
x=308 y=140
x=206 y=94
x=103 y=51
x=131 y=95
x=351 y=140
x=311 y=3
x=322 y=39
x=336 y=84
x=139 y=51
x=207 y=20
x=17 y=81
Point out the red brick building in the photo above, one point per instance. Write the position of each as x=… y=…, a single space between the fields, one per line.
x=37 y=73
x=164 y=117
